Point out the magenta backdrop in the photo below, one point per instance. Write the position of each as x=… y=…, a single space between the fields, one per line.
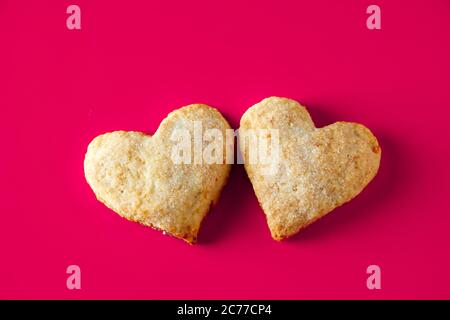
x=133 y=62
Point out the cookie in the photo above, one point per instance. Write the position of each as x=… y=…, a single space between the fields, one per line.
x=135 y=174
x=316 y=170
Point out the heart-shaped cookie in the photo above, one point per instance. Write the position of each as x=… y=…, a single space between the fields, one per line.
x=135 y=174
x=316 y=169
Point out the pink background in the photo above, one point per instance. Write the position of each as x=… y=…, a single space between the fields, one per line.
x=133 y=62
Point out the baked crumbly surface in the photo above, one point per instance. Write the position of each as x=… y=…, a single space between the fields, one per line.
x=318 y=170
x=133 y=174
